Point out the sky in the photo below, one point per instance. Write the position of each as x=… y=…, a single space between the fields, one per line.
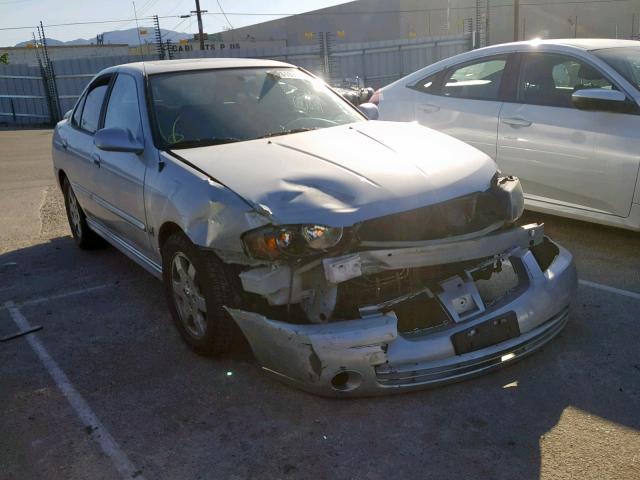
x=28 y=13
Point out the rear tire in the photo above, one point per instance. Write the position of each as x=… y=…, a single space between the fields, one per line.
x=84 y=237
x=197 y=287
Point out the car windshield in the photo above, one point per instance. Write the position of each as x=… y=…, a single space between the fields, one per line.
x=209 y=107
x=625 y=60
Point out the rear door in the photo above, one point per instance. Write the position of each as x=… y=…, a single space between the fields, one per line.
x=464 y=101
x=119 y=181
x=565 y=156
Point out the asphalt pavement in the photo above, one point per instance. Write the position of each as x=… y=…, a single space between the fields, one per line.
x=107 y=389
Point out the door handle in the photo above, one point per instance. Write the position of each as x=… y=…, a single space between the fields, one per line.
x=516 y=122
x=96 y=159
x=428 y=108
x=64 y=143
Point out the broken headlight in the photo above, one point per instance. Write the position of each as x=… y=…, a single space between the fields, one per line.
x=292 y=240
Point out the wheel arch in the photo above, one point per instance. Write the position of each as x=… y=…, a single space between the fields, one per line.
x=61 y=176
x=166 y=230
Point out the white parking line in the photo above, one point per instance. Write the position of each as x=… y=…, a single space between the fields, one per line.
x=71 y=293
x=99 y=433
x=58 y=296
x=607 y=288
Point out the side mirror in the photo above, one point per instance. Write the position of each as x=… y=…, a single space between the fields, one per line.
x=117 y=140
x=602 y=100
x=67 y=115
x=370 y=110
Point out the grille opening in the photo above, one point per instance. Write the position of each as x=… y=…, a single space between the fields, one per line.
x=382 y=287
x=498 y=284
x=420 y=313
x=459 y=216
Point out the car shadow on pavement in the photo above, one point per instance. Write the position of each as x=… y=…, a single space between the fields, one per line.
x=571 y=410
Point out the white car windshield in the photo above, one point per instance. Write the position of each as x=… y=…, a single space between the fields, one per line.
x=208 y=107
x=625 y=60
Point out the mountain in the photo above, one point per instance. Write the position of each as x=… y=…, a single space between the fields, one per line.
x=50 y=41
x=129 y=36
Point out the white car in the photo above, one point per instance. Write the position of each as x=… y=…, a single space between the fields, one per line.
x=562 y=115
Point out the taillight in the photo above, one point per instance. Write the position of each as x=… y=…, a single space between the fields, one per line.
x=376 y=97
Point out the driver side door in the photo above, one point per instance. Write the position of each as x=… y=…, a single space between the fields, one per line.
x=119 y=179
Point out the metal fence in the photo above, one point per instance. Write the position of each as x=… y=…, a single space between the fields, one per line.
x=33 y=95
x=23 y=95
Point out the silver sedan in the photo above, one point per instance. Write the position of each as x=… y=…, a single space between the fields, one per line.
x=357 y=257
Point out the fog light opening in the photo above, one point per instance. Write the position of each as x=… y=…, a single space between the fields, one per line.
x=346 y=381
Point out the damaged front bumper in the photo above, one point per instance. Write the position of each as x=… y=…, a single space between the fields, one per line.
x=370 y=356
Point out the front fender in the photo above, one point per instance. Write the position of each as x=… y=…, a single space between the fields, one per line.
x=210 y=214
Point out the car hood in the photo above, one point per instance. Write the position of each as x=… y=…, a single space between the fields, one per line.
x=342 y=175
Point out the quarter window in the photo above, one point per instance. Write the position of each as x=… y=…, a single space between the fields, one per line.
x=123 y=111
x=92 y=109
x=75 y=120
x=480 y=80
x=550 y=79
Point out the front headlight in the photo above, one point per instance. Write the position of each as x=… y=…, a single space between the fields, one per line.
x=321 y=238
x=291 y=240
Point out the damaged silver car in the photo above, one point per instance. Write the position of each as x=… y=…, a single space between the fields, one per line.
x=356 y=257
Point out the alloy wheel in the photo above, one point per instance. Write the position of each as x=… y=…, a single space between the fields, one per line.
x=189 y=300
x=74 y=213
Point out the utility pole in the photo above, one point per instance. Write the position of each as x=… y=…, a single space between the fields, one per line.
x=516 y=20
x=199 y=13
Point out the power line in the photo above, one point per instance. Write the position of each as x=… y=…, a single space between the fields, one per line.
x=225 y=15
x=174 y=35
x=97 y=22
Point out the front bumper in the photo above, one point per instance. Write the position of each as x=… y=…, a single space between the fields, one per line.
x=369 y=357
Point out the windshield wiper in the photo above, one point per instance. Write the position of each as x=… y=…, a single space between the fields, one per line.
x=287 y=132
x=202 y=142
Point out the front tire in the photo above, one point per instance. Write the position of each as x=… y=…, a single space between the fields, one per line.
x=84 y=237
x=197 y=287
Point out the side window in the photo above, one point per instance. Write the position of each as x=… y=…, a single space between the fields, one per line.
x=428 y=84
x=480 y=80
x=77 y=113
x=92 y=108
x=550 y=79
x=123 y=110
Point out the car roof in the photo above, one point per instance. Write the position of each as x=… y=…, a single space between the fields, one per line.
x=164 y=66
x=580 y=43
x=558 y=45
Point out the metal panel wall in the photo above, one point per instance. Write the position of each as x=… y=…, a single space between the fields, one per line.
x=380 y=63
x=23 y=97
x=73 y=75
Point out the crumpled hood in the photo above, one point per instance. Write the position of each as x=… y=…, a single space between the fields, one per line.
x=342 y=175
